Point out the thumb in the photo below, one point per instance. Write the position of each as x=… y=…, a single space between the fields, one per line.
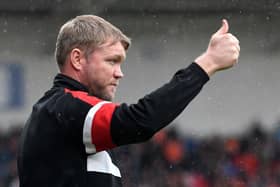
x=224 y=28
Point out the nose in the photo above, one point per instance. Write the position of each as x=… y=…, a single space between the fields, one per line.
x=118 y=72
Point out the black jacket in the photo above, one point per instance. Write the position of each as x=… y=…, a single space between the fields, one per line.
x=66 y=139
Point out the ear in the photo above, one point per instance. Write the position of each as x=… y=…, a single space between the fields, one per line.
x=76 y=58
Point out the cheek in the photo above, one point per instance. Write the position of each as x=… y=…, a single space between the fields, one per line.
x=100 y=74
x=105 y=73
x=99 y=78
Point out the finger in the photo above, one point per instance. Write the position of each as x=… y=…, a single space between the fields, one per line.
x=224 y=28
x=236 y=42
x=234 y=38
x=238 y=48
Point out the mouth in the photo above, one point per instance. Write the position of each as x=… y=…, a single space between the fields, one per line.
x=114 y=87
x=115 y=84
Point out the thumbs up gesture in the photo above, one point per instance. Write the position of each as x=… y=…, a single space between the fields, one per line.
x=222 y=52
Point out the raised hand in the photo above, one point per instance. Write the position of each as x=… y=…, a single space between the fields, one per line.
x=222 y=52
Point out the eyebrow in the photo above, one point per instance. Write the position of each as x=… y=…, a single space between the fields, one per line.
x=118 y=57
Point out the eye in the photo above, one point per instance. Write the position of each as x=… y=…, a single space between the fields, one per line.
x=112 y=61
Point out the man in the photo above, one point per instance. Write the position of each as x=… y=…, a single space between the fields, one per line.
x=72 y=128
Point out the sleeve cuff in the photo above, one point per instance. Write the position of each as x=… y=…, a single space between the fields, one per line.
x=195 y=67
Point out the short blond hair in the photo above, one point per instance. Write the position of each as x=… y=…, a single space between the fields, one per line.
x=86 y=32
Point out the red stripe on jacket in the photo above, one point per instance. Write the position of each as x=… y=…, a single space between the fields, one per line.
x=101 y=123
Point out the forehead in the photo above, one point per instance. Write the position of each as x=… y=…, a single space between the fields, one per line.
x=112 y=49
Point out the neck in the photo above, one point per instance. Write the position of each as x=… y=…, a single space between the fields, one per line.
x=70 y=72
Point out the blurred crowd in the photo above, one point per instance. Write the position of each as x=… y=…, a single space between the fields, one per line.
x=170 y=159
x=8 y=157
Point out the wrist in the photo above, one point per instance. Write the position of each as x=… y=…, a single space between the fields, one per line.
x=206 y=62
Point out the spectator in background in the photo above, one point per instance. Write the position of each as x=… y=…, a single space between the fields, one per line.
x=8 y=149
x=67 y=138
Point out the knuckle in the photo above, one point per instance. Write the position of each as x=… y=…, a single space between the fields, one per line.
x=229 y=35
x=213 y=36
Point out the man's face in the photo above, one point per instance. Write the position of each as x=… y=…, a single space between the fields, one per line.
x=103 y=70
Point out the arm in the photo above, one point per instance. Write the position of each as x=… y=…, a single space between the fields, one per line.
x=138 y=122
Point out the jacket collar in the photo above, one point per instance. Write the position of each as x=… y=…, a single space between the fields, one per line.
x=65 y=81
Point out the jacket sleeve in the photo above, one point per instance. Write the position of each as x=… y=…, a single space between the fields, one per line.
x=105 y=125
x=138 y=122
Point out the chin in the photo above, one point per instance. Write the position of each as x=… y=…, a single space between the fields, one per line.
x=108 y=97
